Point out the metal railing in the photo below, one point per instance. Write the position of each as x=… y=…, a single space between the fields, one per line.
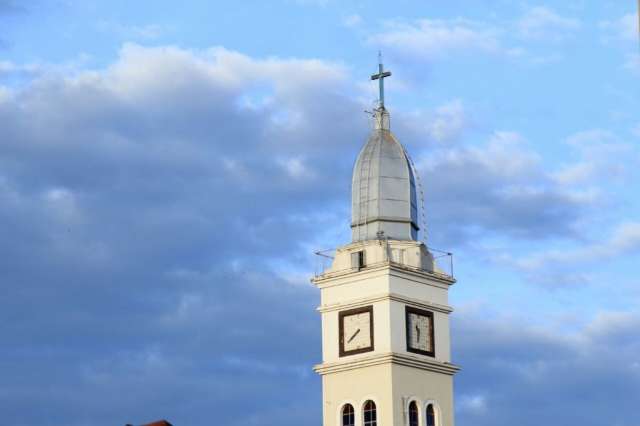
x=324 y=259
x=443 y=261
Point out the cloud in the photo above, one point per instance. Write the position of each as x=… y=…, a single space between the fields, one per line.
x=625 y=239
x=157 y=219
x=602 y=156
x=439 y=38
x=498 y=188
x=133 y=32
x=510 y=369
x=427 y=38
x=444 y=124
x=632 y=63
x=541 y=23
x=321 y=3
x=449 y=122
x=20 y=74
x=352 y=21
x=10 y=68
x=622 y=29
x=143 y=208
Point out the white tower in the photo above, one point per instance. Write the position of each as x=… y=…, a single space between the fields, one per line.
x=384 y=302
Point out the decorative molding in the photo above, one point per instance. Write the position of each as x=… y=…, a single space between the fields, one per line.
x=412 y=274
x=382 y=297
x=381 y=219
x=388 y=358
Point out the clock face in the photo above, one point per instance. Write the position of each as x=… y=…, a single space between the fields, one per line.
x=420 y=334
x=356 y=331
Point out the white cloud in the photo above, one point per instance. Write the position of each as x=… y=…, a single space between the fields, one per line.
x=5 y=94
x=296 y=168
x=449 y=121
x=140 y=71
x=133 y=32
x=63 y=204
x=8 y=67
x=602 y=156
x=632 y=63
x=624 y=28
x=312 y=2
x=433 y=37
x=476 y=404
x=541 y=23
x=504 y=155
x=352 y=21
x=445 y=124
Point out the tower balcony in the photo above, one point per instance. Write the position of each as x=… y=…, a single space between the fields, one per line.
x=361 y=255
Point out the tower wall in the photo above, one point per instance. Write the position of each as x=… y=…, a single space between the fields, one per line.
x=356 y=387
x=389 y=374
x=424 y=387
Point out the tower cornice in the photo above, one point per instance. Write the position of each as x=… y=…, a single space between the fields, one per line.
x=409 y=301
x=388 y=358
x=395 y=269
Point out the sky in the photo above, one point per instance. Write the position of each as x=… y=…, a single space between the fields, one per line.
x=167 y=171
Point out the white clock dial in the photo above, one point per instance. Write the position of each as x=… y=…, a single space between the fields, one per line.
x=355 y=331
x=420 y=331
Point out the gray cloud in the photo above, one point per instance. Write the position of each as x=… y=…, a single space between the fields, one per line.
x=499 y=188
x=523 y=375
x=147 y=212
x=141 y=213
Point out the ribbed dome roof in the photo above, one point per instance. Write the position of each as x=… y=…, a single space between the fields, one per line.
x=383 y=188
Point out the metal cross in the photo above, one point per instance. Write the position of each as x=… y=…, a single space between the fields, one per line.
x=380 y=76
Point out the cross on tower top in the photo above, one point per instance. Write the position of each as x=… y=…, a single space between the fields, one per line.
x=380 y=77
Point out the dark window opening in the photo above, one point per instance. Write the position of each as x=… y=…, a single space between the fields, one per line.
x=413 y=414
x=370 y=416
x=431 y=416
x=357 y=260
x=348 y=415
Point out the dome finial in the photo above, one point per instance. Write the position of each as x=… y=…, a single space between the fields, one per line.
x=380 y=77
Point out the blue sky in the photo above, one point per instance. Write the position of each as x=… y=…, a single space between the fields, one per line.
x=167 y=170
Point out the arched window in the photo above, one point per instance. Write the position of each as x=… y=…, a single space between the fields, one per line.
x=413 y=414
x=348 y=415
x=370 y=415
x=431 y=416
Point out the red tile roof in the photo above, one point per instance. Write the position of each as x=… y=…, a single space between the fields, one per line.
x=158 y=423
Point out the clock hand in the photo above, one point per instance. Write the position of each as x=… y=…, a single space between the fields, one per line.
x=417 y=333
x=354 y=335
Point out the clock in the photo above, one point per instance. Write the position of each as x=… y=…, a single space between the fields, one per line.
x=420 y=335
x=356 y=331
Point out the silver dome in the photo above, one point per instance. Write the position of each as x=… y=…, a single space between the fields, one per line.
x=383 y=188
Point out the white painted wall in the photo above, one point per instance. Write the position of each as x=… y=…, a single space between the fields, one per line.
x=388 y=287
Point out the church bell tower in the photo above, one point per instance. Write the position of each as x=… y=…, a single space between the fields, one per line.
x=386 y=357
